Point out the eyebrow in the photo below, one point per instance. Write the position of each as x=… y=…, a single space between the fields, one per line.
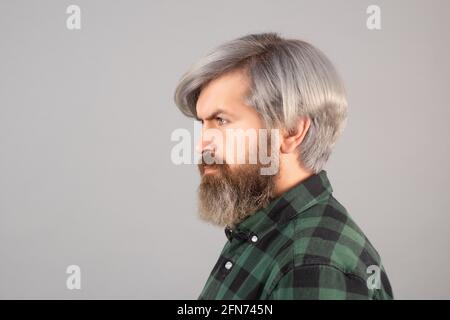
x=215 y=114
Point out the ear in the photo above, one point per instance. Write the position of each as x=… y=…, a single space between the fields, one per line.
x=292 y=139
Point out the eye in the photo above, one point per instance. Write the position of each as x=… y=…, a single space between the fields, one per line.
x=221 y=121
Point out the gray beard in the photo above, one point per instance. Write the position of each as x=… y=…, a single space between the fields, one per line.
x=228 y=196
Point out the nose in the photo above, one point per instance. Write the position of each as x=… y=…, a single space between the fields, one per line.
x=204 y=143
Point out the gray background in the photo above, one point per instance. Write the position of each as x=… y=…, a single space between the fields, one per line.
x=86 y=118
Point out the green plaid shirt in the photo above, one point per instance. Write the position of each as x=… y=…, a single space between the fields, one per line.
x=303 y=245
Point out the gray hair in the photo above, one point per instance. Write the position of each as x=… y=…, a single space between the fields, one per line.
x=289 y=79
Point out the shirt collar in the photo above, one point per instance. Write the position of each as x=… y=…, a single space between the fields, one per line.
x=291 y=203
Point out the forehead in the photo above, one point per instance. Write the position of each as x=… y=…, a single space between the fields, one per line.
x=227 y=93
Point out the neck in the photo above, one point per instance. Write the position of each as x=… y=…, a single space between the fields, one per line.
x=291 y=174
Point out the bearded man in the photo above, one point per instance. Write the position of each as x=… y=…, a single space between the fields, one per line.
x=287 y=236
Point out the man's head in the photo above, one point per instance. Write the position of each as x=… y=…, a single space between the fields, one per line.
x=259 y=84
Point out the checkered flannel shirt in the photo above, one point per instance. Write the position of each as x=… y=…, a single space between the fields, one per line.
x=303 y=245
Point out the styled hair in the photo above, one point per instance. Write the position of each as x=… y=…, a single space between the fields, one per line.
x=289 y=79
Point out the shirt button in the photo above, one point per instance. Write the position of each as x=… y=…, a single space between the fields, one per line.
x=254 y=239
x=228 y=265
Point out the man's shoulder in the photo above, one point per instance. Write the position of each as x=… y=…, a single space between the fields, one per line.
x=325 y=234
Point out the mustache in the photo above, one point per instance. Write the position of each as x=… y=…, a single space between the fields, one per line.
x=208 y=160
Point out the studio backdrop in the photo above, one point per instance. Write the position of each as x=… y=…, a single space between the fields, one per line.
x=88 y=185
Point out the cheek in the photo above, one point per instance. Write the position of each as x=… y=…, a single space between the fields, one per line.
x=219 y=145
x=241 y=148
